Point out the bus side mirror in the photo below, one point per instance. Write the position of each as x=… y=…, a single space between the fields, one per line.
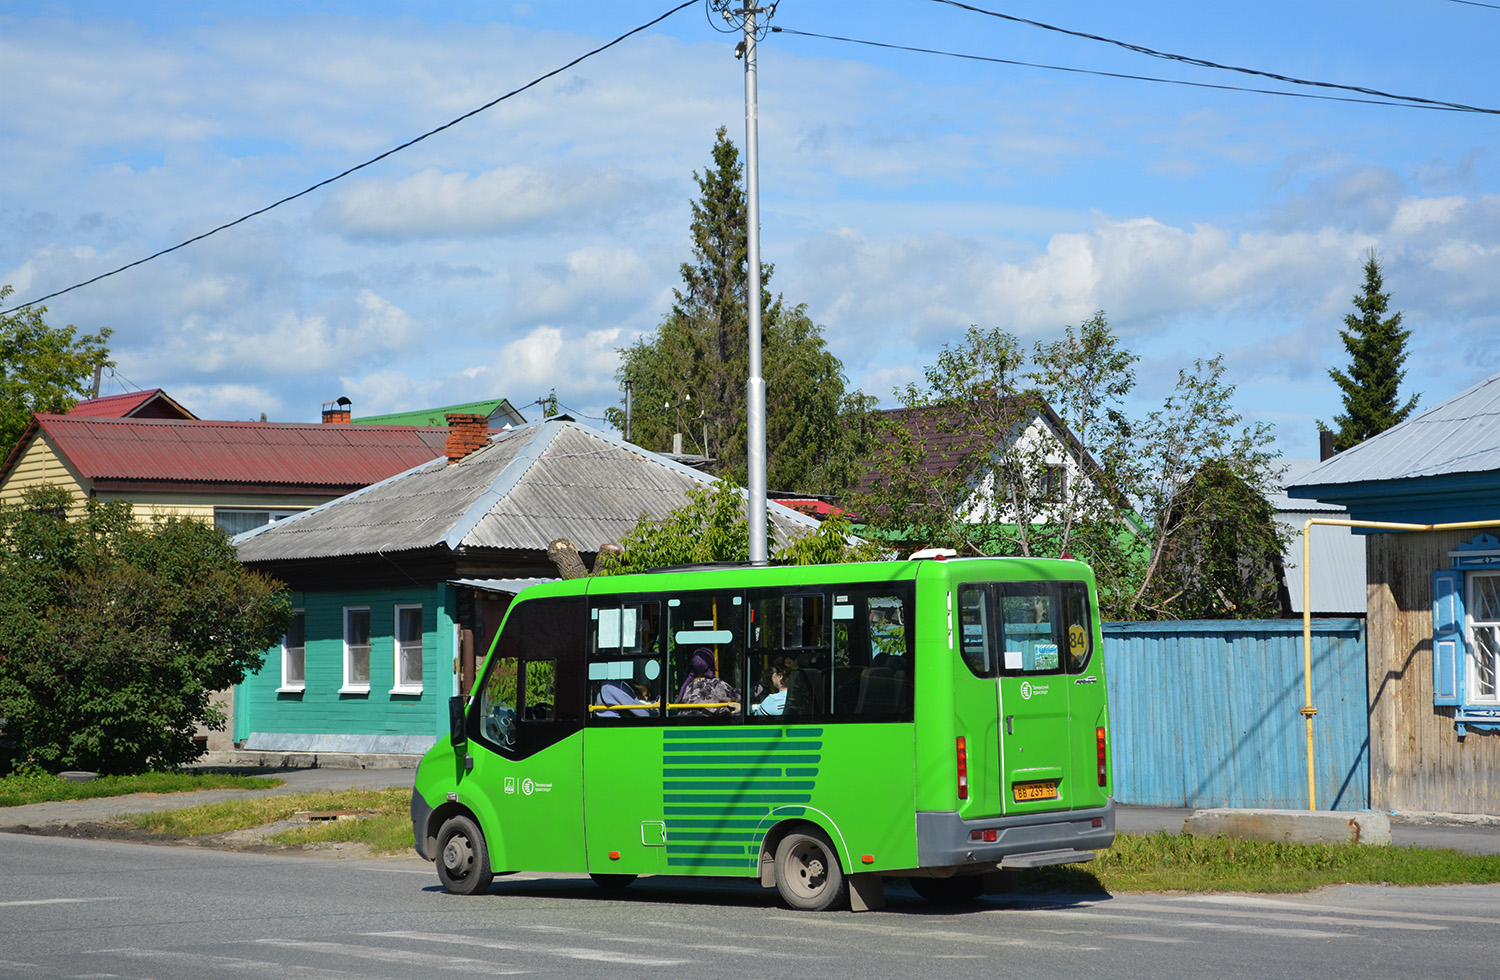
x=456 y=733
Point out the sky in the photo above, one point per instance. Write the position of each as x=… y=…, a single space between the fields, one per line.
x=904 y=196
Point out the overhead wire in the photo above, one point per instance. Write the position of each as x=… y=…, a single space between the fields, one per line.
x=376 y=159
x=1399 y=101
x=1202 y=63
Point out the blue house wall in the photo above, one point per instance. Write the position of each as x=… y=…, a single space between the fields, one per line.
x=322 y=719
x=1207 y=714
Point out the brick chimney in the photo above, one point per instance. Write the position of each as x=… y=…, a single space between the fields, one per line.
x=336 y=412
x=466 y=433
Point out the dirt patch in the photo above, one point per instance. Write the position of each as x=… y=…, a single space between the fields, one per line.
x=257 y=840
x=99 y=831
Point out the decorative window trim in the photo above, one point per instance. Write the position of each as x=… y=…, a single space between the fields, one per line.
x=288 y=687
x=400 y=688
x=1453 y=635
x=355 y=687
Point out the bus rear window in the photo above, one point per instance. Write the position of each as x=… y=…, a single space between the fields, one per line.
x=1025 y=628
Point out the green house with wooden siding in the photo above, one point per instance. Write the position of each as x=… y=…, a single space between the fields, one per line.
x=399 y=587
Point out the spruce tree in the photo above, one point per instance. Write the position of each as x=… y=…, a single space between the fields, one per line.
x=689 y=376
x=1377 y=349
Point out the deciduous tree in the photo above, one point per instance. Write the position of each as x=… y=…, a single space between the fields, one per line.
x=114 y=633
x=42 y=368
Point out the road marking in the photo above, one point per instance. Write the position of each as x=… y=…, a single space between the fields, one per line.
x=383 y=954
x=205 y=965
x=60 y=901
x=1154 y=939
x=1342 y=909
x=1298 y=914
x=905 y=932
x=567 y=952
x=1185 y=924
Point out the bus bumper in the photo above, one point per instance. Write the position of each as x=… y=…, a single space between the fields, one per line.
x=421 y=815
x=946 y=840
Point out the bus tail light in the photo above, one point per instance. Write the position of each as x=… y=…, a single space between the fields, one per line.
x=1099 y=745
x=963 y=769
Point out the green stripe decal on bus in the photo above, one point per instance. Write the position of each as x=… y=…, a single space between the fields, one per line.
x=718 y=785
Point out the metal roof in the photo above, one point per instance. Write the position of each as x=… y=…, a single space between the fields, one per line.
x=1460 y=435
x=530 y=486
x=508 y=586
x=337 y=457
x=499 y=411
x=152 y=403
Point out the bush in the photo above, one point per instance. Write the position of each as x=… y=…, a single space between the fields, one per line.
x=114 y=633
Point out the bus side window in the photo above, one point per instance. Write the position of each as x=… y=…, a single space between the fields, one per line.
x=1078 y=628
x=976 y=630
x=541 y=690
x=705 y=644
x=626 y=678
x=497 y=702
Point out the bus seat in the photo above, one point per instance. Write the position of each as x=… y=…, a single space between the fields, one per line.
x=804 y=695
x=877 y=692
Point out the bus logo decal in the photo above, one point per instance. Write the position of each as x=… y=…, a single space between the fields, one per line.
x=510 y=785
x=1026 y=690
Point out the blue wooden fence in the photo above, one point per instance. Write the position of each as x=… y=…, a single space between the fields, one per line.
x=1207 y=713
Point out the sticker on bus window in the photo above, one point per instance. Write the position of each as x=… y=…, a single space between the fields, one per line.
x=1013 y=660
x=843 y=612
x=695 y=637
x=1044 y=656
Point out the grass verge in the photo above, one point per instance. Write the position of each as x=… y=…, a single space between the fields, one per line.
x=386 y=831
x=18 y=790
x=1177 y=862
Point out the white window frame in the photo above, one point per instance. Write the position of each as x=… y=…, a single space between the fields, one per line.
x=402 y=688
x=1473 y=627
x=289 y=686
x=351 y=686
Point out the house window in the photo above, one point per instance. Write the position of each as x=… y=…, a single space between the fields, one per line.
x=356 y=651
x=408 y=650
x=238 y=520
x=1484 y=636
x=1054 y=482
x=293 y=655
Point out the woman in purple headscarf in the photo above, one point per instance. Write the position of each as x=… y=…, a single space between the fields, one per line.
x=703 y=686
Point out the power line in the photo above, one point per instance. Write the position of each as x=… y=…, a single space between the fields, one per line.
x=1476 y=3
x=1386 y=100
x=394 y=150
x=1188 y=60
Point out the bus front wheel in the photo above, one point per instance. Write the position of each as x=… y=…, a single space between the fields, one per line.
x=463 y=860
x=808 y=875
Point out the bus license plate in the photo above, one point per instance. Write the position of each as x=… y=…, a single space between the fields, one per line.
x=1035 y=791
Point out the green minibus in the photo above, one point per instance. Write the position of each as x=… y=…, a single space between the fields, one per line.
x=818 y=728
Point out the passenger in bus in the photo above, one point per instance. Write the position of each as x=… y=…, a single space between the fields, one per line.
x=621 y=692
x=775 y=703
x=704 y=686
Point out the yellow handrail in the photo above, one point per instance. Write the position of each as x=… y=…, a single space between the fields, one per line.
x=1307 y=706
x=655 y=705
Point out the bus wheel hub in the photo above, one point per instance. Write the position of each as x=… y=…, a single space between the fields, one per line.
x=458 y=855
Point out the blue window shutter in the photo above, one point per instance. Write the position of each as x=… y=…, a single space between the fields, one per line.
x=1448 y=651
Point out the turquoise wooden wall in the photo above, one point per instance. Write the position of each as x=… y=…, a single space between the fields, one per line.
x=320 y=709
x=1206 y=714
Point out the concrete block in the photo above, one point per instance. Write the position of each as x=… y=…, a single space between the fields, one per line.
x=1292 y=826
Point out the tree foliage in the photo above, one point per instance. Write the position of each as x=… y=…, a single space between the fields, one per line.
x=1377 y=349
x=114 y=634
x=1111 y=495
x=42 y=368
x=689 y=376
x=712 y=527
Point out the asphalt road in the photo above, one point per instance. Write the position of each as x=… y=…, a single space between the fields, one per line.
x=75 y=909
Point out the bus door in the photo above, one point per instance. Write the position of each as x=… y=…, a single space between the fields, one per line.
x=1014 y=632
x=526 y=726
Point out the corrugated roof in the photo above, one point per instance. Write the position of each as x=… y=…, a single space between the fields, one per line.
x=244 y=453
x=1460 y=435
x=490 y=407
x=530 y=486
x=152 y=403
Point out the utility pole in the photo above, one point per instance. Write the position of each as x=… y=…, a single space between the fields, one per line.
x=755 y=385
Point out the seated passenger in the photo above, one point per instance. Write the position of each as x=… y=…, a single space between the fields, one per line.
x=775 y=703
x=621 y=692
x=704 y=686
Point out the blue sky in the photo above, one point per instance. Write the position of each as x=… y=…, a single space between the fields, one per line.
x=904 y=196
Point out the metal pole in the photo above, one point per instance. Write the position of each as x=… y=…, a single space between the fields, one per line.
x=755 y=387
x=628 y=406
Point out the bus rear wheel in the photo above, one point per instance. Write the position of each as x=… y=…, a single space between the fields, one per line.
x=948 y=891
x=613 y=882
x=808 y=875
x=463 y=860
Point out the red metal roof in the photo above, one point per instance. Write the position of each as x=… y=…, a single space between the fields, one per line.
x=152 y=404
x=341 y=457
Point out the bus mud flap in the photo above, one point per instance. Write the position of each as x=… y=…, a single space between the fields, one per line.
x=866 y=892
